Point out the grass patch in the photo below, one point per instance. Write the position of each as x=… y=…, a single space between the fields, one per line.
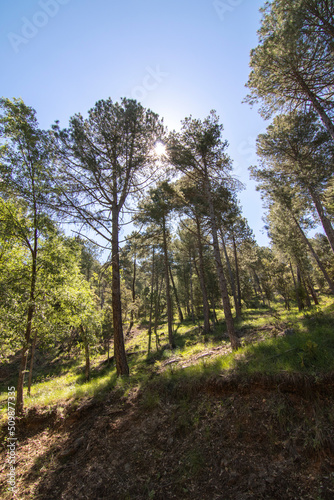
x=309 y=349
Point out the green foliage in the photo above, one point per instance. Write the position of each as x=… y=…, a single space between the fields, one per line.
x=293 y=62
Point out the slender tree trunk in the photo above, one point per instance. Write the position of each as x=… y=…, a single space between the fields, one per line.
x=296 y=287
x=151 y=303
x=307 y=297
x=33 y=347
x=186 y=282
x=156 y=313
x=191 y=290
x=326 y=224
x=312 y=291
x=237 y=276
x=315 y=255
x=168 y=295
x=235 y=342
x=30 y=316
x=255 y=289
x=232 y=282
x=87 y=357
x=206 y=308
x=119 y=348
x=257 y=282
x=19 y=394
x=133 y=287
x=87 y=360
x=176 y=295
x=286 y=302
x=316 y=104
x=301 y=305
x=214 y=315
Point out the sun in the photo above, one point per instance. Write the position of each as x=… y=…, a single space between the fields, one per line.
x=160 y=149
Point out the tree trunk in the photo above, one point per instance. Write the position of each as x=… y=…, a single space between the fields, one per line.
x=151 y=303
x=301 y=305
x=214 y=315
x=176 y=295
x=307 y=297
x=315 y=255
x=119 y=348
x=316 y=104
x=206 y=308
x=232 y=282
x=33 y=347
x=235 y=342
x=326 y=224
x=257 y=282
x=296 y=287
x=286 y=302
x=133 y=294
x=312 y=291
x=30 y=316
x=168 y=296
x=191 y=290
x=156 y=313
x=87 y=358
x=237 y=276
x=324 y=118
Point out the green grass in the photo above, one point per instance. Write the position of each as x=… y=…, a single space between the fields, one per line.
x=309 y=350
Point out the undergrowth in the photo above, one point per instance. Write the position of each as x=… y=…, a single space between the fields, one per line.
x=307 y=347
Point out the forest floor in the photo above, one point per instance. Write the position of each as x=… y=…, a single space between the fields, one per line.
x=199 y=422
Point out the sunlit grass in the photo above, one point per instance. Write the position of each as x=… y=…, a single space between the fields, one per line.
x=67 y=387
x=309 y=350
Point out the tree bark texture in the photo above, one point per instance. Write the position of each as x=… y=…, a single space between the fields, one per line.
x=119 y=348
x=151 y=303
x=232 y=282
x=176 y=295
x=235 y=343
x=237 y=276
x=30 y=316
x=31 y=366
x=133 y=287
x=206 y=308
x=326 y=224
x=315 y=256
x=168 y=296
x=191 y=290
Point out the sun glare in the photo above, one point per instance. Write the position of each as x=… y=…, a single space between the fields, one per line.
x=160 y=149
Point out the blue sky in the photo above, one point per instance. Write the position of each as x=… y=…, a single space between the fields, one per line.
x=176 y=57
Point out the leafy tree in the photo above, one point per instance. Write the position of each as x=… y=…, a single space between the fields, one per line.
x=282 y=231
x=26 y=179
x=292 y=67
x=297 y=150
x=156 y=209
x=198 y=151
x=195 y=207
x=106 y=159
x=272 y=183
x=14 y=280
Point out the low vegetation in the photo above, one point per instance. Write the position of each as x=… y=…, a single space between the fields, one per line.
x=283 y=373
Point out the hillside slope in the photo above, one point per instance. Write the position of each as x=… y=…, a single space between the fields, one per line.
x=183 y=427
